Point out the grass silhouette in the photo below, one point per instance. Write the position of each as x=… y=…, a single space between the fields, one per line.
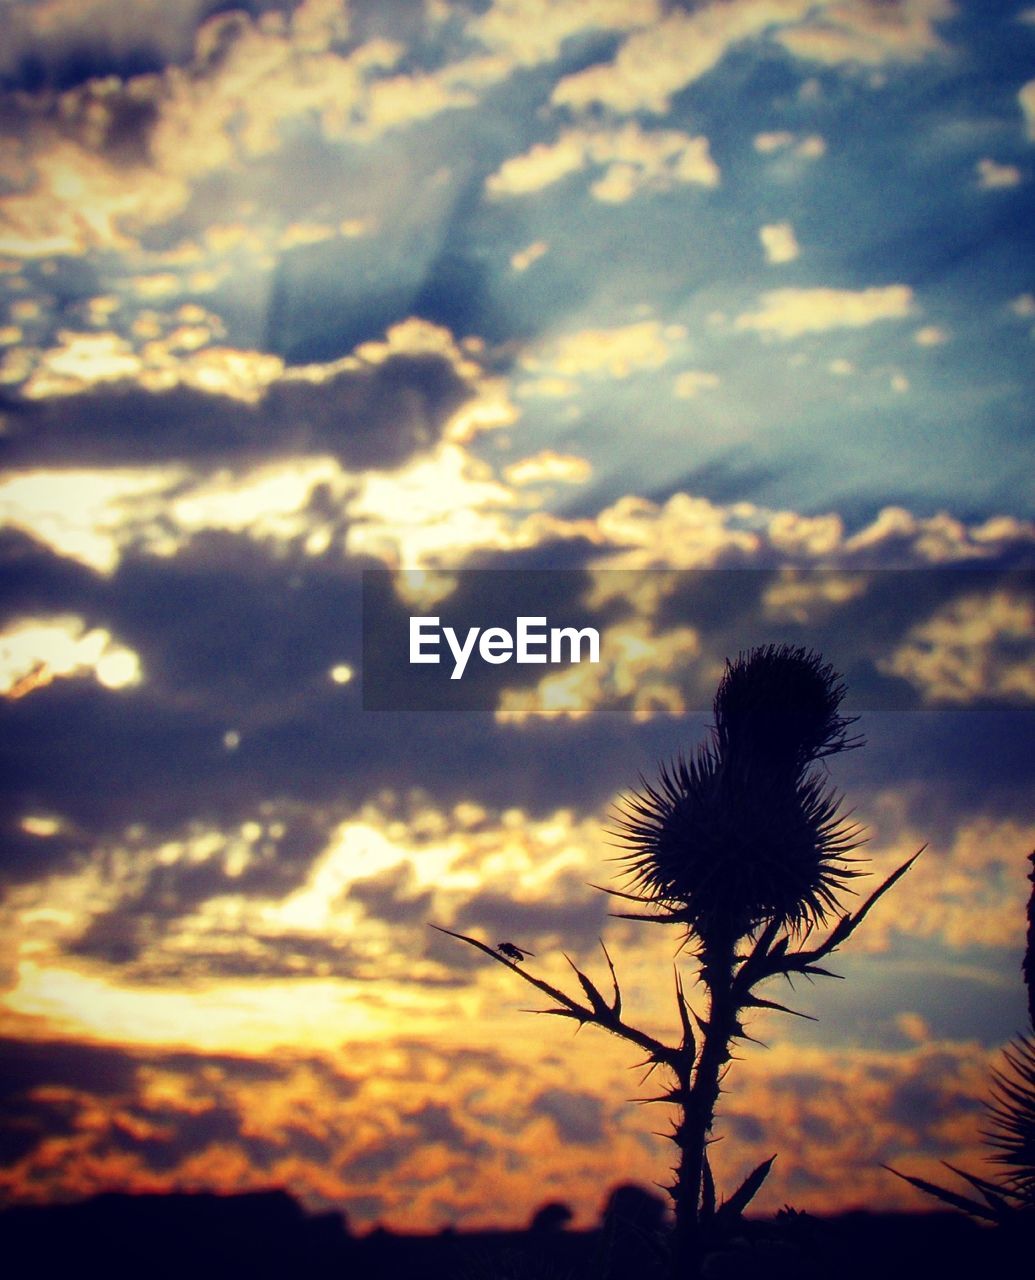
x=1009 y=1199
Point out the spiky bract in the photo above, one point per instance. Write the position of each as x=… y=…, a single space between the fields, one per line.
x=742 y=833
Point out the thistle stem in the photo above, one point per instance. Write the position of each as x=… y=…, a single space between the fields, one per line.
x=698 y=1108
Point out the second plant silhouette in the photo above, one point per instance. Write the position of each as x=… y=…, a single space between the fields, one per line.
x=743 y=847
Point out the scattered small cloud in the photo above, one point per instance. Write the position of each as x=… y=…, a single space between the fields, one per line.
x=1026 y=97
x=868 y=34
x=616 y=352
x=524 y=258
x=931 y=335
x=993 y=176
x=633 y=160
x=548 y=467
x=810 y=147
x=691 y=382
x=790 y=313
x=779 y=243
x=776 y=140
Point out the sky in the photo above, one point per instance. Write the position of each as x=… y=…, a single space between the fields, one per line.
x=708 y=324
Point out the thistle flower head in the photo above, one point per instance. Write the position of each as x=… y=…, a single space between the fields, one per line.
x=742 y=833
x=779 y=707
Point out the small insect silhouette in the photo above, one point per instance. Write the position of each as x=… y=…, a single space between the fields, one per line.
x=513 y=953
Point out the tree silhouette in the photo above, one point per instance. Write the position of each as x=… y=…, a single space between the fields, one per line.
x=743 y=847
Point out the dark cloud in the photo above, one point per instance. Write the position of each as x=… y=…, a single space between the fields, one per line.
x=435 y=1124
x=577 y=1116
x=35 y=580
x=104 y=40
x=46 y=1088
x=375 y=416
x=230 y=627
x=184 y=1133
x=134 y=942
x=745 y=1128
x=819 y=1129
x=27 y=1124
x=389 y=897
x=921 y=1105
x=430 y=1125
x=378 y=1159
x=105 y=761
x=968 y=759
x=237 y=636
x=576 y=915
x=233 y=1066
x=26 y=1064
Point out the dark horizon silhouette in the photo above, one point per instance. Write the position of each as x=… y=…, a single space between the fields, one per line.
x=267 y=1235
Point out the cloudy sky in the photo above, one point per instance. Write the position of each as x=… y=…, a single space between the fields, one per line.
x=724 y=309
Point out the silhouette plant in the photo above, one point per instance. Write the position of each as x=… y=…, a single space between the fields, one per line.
x=743 y=846
x=1009 y=1199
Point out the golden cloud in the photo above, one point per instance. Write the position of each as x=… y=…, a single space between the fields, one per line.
x=528 y=32
x=549 y=467
x=682 y=533
x=456 y=1054
x=440 y=1131
x=1026 y=98
x=655 y=63
x=810 y=598
x=248 y=79
x=86 y=515
x=779 y=243
x=431 y=512
x=810 y=147
x=616 y=352
x=633 y=160
x=869 y=32
x=977 y=647
x=636 y=668
x=524 y=258
x=691 y=382
x=968 y=891
x=939 y=539
x=790 y=313
x=36 y=651
x=993 y=176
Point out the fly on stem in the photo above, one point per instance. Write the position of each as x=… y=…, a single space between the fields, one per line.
x=744 y=847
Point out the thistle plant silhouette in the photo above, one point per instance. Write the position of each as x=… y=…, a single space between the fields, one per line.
x=742 y=847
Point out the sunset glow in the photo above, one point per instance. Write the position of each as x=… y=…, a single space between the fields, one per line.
x=714 y=323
